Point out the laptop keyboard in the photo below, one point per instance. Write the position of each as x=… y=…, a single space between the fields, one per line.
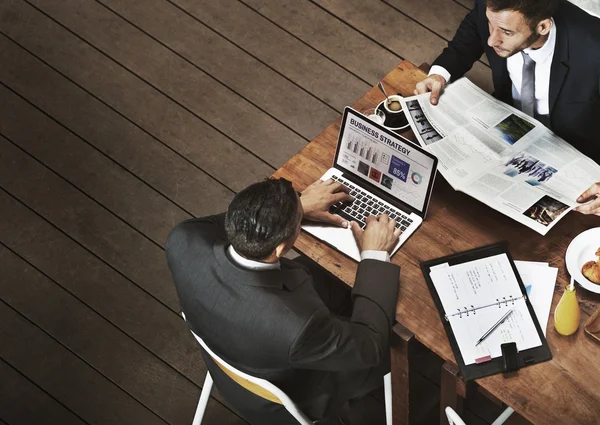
x=364 y=205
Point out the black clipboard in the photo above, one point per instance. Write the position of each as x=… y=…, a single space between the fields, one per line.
x=496 y=365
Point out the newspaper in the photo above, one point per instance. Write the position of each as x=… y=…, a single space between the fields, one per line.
x=501 y=156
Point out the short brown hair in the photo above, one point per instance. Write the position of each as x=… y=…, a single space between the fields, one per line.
x=534 y=11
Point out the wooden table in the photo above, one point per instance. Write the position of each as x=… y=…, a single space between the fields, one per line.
x=565 y=390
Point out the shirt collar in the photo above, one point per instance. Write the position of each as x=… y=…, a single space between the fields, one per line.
x=543 y=53
x=251 y=264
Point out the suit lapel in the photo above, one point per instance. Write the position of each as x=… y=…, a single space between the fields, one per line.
x=501 y=77
x=560 y=61
x=506 y=83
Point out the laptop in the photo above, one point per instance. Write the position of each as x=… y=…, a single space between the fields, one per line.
x=385 y=172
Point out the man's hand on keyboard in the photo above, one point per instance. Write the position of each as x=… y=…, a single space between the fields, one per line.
x=319 y=197
x=380 y=234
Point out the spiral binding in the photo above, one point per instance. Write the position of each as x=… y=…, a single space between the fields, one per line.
x=466 y=311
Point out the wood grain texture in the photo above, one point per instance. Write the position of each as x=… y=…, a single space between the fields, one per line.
x=87 y=222
x=117 y=299
x=40 y=409
x=402 y=356
x=131 y=97
x=391 y=28
x=97 y=342
x=561 y=383
x=114 y=138
x=69 y=379
x=233 y=67
x=467 y=4
x=449 y=392
x=440 y=16
x=333 y=38
x=177 y=78
x=280 y=50
x=81 y=165
x=111 y=352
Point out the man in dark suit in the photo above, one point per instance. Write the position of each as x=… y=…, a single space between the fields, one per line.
x=270 y=317
x=545 y=60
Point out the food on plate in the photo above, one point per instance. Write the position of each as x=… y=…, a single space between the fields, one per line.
x=591 y=269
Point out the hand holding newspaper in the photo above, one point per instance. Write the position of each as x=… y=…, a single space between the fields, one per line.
x=501 y=156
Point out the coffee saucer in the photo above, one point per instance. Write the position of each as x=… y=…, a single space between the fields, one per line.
x=393 y=121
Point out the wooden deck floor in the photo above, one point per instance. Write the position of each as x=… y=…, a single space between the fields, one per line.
x=119 y=119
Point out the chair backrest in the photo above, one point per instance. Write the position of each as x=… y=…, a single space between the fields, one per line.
x=453 y=417
x=257 y=386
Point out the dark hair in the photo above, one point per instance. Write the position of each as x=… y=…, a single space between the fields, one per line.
x=534 y=11
x=261 y=217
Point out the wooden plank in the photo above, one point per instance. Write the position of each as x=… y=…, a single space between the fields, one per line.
x=110 y=351
x=449 y=393
x=278 y=49
x=95 y=341
x=175 y=77
x=88 y=223
x=403 y=342
x=128 y=96
x=398 y=33
x=333 y=38
x=91 y=171
x=467 y=4
x=66 y=377
x=226 y=62
x=439 y=16
x=113 y=137
x=107 y=292
x=389 y=27
x=23 y=403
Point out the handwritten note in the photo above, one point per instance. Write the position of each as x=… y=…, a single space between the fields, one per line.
x=474 y=296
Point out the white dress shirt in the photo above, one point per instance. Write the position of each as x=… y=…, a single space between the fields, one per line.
x=543 y=62
x=258 y=265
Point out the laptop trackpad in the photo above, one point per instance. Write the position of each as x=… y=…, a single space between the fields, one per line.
x=339 y=237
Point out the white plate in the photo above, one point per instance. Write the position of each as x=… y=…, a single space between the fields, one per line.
x=581 y=250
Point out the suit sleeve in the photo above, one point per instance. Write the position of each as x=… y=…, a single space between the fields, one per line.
x=466 y=47
x=328 y=342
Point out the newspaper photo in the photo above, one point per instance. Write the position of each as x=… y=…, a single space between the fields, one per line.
x=501 y=156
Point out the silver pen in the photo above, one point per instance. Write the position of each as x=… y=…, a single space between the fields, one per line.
x=493 y=328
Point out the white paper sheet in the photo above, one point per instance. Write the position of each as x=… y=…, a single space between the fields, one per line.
x=539 y=280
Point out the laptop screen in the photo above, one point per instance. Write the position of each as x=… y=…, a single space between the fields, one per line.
x=382 y=158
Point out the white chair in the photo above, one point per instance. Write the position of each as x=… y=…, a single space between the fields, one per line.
x=260 y=387
x=266 y=390
x=454 y=419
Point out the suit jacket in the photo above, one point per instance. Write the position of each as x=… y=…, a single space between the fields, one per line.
x=272 y=324
x=574 y=92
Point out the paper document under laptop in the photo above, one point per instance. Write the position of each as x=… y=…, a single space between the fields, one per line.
x=395 y=173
